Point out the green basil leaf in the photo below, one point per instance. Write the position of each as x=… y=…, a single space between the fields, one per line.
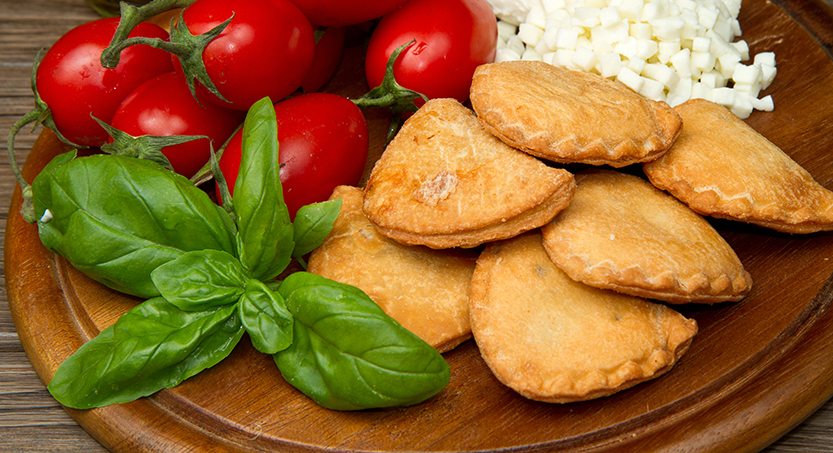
x=201 y=280
x=313 y=223
x=347 y=354
x=119 y=260
x=146 y=205
x=265 y=237
x=265 y=318
x=153 y=346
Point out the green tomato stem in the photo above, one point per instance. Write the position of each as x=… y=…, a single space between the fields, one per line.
x=131 y=17
x=391 y=95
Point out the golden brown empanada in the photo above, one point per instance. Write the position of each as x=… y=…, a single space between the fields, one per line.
x=569 y=116
x=426 y=290
x=444 y=181
x=624 y=234
x=553 y=339
x=723 y=168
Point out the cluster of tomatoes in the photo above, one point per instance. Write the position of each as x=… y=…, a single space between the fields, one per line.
x=284 y=49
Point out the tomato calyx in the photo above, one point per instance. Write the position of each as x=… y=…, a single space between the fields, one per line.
x=148 y=147
x=187 y=47
x=392 y=96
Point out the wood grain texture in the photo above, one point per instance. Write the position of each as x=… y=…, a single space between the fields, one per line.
x=770 y=359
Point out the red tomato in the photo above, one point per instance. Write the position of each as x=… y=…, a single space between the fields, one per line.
x=72 y=82
x=323 y=142
x=164 y=106
x=328 y=52
x=347 y=12
x=266 y=50
x=453 y=37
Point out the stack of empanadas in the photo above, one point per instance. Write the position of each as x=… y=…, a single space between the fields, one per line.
x=558 y=300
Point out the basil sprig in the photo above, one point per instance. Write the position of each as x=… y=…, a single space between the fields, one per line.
x=209 y=275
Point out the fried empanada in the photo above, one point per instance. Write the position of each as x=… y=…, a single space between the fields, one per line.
x=444 y=181
x=624 y=234
x=553 y=339
x=569 y=116
x=425 y=290
x=721 y=167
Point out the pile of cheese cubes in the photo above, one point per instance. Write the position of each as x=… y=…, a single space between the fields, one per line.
x=670 y=50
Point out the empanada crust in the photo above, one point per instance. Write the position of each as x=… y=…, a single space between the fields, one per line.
x=622 y=233
x=721 y=167
x=425 y=290
x=444 y=181
x=569 y=116
x=553 y=339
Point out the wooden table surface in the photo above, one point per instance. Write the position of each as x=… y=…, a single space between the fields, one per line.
x=30 y=419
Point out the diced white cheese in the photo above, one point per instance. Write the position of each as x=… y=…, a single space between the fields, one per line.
x=630 y=79
x=652 y=89
x=764 y=104
x=505 y=30
x=531 y=54
x=669 y=50
x=530 y=34
x=724 y=96
x=585 y=59
x=506 y=54
x=611 y=64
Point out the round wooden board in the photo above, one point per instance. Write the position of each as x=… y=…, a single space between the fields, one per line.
x=755 y=370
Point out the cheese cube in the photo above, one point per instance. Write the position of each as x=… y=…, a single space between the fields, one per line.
x=681 y=61
x=642 y=30
x=506 y=54
x=743 y=49
x=536 y=17
x=516 y=45
x=563 y=58
x=630 y=79
x=566 y=38
x=764 y=104
x=742 y=107
x=713 y=79
x=724 y=96
x=611 y=64
x=727 y=63
x=767 y=75
x=652 y=89
x=701 y=44
x=530 y=34
x=553 y=5
x=765 y=58
x=701 y=91
x=587 y=16
x=708 y=17
x=646 y=48
x=505 y=30
x=680 y=93
x=630 y=9
x=703 y=61
x=747 y=74
x=585 y=59
x=609 y=15
x=666 y=50
x=531 y=54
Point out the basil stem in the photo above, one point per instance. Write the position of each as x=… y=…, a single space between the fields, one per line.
x=347 y=354
x=153 y=346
